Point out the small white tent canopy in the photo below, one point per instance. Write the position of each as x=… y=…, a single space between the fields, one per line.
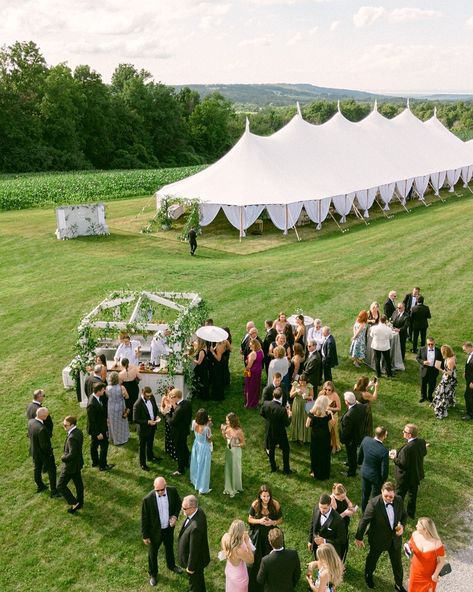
x=313 y=166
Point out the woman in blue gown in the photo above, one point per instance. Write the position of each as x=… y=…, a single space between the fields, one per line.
x=201 y=455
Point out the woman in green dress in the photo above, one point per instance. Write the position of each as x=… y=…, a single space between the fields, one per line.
x=233 y=434
x=302 y=394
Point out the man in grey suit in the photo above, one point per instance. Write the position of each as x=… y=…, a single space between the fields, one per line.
x=373 y=457
x=281 y=569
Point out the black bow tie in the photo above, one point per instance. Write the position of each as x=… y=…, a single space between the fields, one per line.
x=388 y=504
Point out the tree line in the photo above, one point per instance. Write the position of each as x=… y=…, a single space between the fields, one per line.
x=56 y=118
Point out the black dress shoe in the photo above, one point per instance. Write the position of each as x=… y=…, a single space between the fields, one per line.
x=41 y=488
x=289 y=472
x=422 y=400
x=369 y=580
x=55 y=494
x=153 y=581
x=345 y=474
x=74 y=509
x=177 y=569
x=467 y=417
x=399 y=588
x=107 y=468
x=95 y=465
x=145 y=467
x=275 y=470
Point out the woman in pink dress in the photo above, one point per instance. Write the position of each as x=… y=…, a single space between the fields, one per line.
x=428 y=557
x=237 y=549
x=254 y=366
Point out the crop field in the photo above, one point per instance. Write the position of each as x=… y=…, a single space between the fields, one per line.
x=18 y=192
x=48 y=285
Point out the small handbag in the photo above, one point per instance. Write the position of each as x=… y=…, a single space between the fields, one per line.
x=446 y=569
x=246 y=373
x=126 y=413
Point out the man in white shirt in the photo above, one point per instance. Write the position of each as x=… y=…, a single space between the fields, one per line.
x=381 y=345
x=128 y=348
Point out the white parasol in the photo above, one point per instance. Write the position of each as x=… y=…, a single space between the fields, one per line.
x=211 y=333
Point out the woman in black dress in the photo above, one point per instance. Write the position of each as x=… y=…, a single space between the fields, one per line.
x=344 y=507
x=226 y=358
x=130 y=378
x=166 y=408
x=265 y=514
x=200 y=387
x=217 y=379
x=320 y=446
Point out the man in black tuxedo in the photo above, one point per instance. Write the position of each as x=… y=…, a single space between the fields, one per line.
x=327 y=526
x=180 y=423
x=194 y=553
x=386 y=518
x=270 y=336
x=409 y=471
x=427 y=358
x=72 y=463
x=373 y=457
x=468 y=350
x=420 y=313
x=278 y=418
x=390 y=304
x=145 y=415
x=42 y=451
x=329 y=353
x=192 y=238
x=245 y=342
x=351 y=429
x=92 y=379
x=281 y=569
x=97 y=427
x=159 y=512
x=313 y=365
x=400 y=322
x=409 y=301
x=36 y=403
x=268 y=390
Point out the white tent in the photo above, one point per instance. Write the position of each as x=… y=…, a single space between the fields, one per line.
x=340 y=163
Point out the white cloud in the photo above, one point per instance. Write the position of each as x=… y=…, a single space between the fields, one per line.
x=368 y=15
x=285 y=2
x=130 y=49
x=334 y=26
x=469 y=22
x=295 y=39
x=256 y=41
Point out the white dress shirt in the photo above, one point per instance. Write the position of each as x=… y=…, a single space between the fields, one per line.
x=431 y=356
x=128 y=351
x=163 y=509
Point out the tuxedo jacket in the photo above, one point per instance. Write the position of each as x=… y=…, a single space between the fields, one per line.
x=409 y=462
x=97 y=416
x=422 y=357
x=268 y=340
x=352 y=424
x=31 y=414
x=40 y=441
x=278 y=420
x=419 y=315
x=313 y=368
x=408 y=302
x=150 y=522
x=193 y=543
x=268 y=393
x=180 y=420
x=373 y=457
x=333 y=531
x=72 y=457
x=380 y=534
x=469 y=372
x=400 y=321
x=279 y=571
x=389 y=308
x=89 y=383
x=141 y=417
x=329 y=352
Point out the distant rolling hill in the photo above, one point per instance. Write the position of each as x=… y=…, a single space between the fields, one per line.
x=260 y=95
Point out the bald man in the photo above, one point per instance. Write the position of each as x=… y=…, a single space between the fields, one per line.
x=159 y=512
x=194 y=553
x=42 y=451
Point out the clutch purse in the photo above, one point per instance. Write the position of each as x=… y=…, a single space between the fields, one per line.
x=446 y=569
x=246 y=373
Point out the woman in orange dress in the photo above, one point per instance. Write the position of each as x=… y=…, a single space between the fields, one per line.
x=428 y=557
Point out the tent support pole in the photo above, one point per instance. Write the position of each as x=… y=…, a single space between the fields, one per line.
x=400 y=201
x=435 y=194
x=342 y=230
x=293 y=224
x=359 y=215
x=421 y=197
x=469 y=188
x=383 y=210
x=241 y=222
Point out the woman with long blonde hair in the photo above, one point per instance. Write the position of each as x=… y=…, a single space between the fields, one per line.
x=237 y=549
x=428 y=556
x=319 y=421
x=329 y=568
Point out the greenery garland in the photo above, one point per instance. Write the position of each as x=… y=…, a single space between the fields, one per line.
x=165 y=222
x=187 y=321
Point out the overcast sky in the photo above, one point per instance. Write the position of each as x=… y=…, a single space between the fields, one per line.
x=396 y=46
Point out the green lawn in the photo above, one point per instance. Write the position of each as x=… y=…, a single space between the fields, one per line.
x=48 y=285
